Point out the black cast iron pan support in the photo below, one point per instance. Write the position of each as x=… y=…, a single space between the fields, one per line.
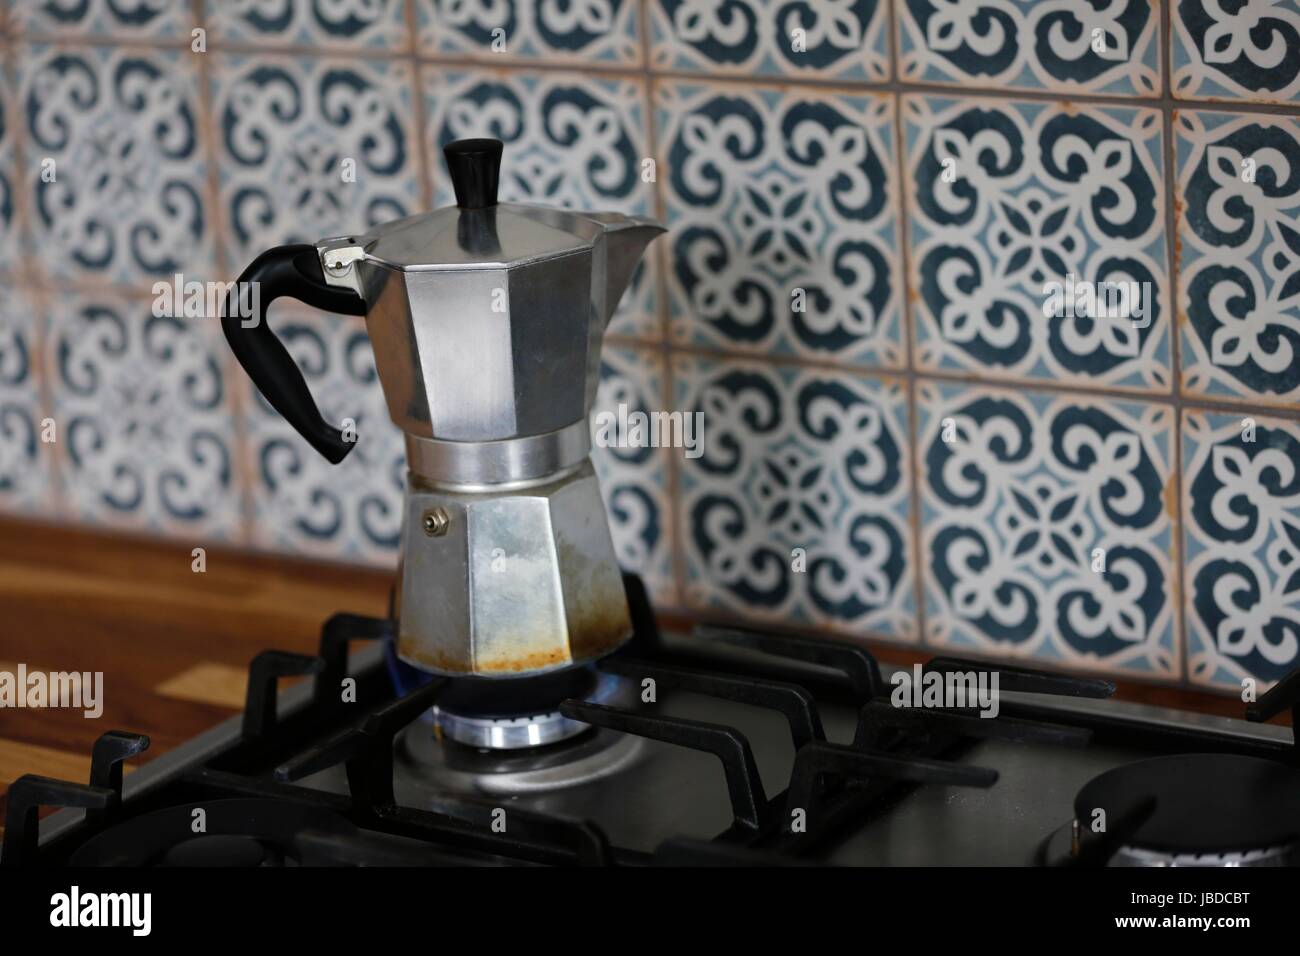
x=1285 y=695
x=100 y=798
x=366 y=752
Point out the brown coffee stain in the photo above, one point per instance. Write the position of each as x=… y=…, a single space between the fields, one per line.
x=518 y=664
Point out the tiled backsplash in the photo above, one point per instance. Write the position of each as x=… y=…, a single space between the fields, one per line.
x=865 y=200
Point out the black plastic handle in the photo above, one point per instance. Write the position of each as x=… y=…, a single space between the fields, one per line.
x=293 y=271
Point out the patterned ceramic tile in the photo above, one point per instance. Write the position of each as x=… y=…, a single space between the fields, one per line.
x=301 y=502
x=126 y=18
x=1007 y=198
x=797 y=510
x=310 y=148
x=1237 y=49
x=569 y=141
x=634 y=478
x=605 y=32
x=1095 y=46
x=782 y=211
x=116 y=171
x=24 y=453
x=379 y=24
x=1022 y=494
x=1241 y=501
x=143 y=420
x=8 y=194
x=829 y=38
x=1239 y=261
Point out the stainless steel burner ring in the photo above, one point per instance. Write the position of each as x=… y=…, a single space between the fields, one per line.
x=516 y=732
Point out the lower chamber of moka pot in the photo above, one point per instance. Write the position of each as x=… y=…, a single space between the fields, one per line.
x=509 y=582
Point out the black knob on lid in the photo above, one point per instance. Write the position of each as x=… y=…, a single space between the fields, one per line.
x=475 y=165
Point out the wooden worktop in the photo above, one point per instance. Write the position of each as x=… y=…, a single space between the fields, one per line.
x=174 y=645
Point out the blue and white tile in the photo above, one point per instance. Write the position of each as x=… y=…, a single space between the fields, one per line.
x=300 y=502
x=363 y=24
x=571 y=141
x=843 y=39
x=1023 y=495
x=1006 y=197
x=1239 y=255
x=634 y=478
x=25 y=452
x=581 y=32
x=1241 y=505
x=144 y=425
x=1248 y=51
x=130 y=19
x=309 y=148
x=116 y=172
x=1092 y=46
x=9 y=243
x=797 y=510
x=782 y=210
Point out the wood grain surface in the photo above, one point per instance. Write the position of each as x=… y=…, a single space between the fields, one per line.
x=173 y=645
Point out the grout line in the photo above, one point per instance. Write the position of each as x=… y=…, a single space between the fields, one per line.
x=232 y=376
x=902 y=188
x=419 y=105
x=32 y=266
x=1178 y=591
x=56 y=500
x=788 y=81
x=679 y=535
x=1219 y=405
x=892 y=44
x=1225 y=405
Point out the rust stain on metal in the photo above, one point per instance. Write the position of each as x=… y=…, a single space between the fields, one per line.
x=598 y=615
x=523 y=663
x=441 y=662
x=600 y=633
x=598 y=629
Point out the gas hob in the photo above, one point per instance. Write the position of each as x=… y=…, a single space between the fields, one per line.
x=724 y=747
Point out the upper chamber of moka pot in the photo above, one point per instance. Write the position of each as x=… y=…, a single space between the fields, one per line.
x=487 y=318
x=486 y=321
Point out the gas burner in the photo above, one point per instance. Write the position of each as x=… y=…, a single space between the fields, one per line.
x=1210 y=810
x=518 y=713
x=508 y=736
x=580 y=760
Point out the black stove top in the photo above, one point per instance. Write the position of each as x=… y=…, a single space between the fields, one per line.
x=731 y=747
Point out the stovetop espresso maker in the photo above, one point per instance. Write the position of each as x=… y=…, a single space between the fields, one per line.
x=486 y=321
